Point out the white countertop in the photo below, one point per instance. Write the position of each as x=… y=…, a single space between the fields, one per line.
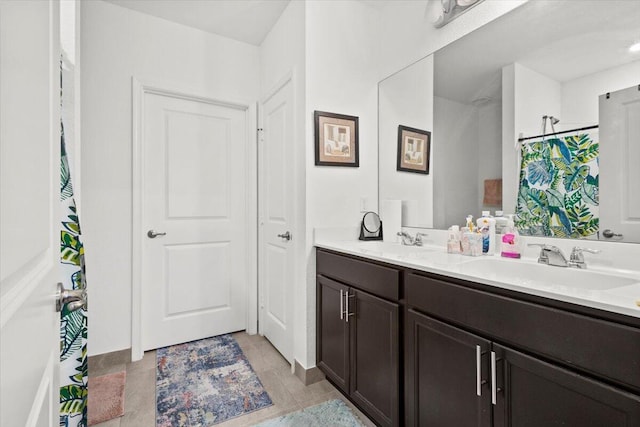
x=610 y=289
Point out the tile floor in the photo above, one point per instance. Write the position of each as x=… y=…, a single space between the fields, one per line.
x=287 y=392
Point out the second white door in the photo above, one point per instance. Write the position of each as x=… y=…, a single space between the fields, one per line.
x=195 y=206
x=276 y=219
x=619 y=157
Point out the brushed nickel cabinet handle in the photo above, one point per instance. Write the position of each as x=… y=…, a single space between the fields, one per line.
x=341 y=304
x=494 y=386
x=478 y=370
x=346 y=301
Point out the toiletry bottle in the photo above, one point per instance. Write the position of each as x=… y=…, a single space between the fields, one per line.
x=487 y=226
x=475 y=244
x=453 y=241
x=501 y=222
x=464 y=241
x=510 y=241
x=469 y=224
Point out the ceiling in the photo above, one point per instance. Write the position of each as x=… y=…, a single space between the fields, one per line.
x=248 y=21
x=562 y=39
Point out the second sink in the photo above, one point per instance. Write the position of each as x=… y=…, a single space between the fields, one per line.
x=538 y=275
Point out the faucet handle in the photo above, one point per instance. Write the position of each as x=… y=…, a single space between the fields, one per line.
x=545 y=247
x=577 y=251
x=541 y=245
x=419 y=237
x=591 y=251
x=406 y=238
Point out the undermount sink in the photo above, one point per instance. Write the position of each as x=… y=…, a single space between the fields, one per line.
x=543 y=276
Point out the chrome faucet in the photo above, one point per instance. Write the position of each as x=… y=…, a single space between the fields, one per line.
x=576 y=259
x=409 y=240
x=552 y=255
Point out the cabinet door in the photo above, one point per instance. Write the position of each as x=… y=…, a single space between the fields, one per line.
x=446 y=375
x=535 y=393
x=332 y=342
x=375 y=348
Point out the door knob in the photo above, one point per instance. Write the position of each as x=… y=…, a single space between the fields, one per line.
x=609 y=234
x=73 y=298
x=285 y=236
x=152 y=234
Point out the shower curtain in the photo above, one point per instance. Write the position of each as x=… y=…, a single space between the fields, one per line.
x=73 y=325
x=559 y=187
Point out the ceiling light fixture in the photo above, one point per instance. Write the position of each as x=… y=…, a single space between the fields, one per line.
x=635 y=47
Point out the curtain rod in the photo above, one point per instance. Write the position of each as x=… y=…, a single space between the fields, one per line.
x=557 y=133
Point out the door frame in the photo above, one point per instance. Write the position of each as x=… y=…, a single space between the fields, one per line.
x=139 y=88
x=297 y=232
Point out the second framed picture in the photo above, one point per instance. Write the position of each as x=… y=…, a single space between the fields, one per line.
x=336 y=139
x=414 y=148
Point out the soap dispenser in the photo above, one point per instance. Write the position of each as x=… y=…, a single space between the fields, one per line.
x=510 y=241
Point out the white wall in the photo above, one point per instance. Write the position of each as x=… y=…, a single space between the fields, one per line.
x=341 y=63
x=282 y=53
x=407 y=33
x=489 y=147
x=527 y=96
x=117 y=44
x=455 y=136
x=580 y=96
x=406 y=98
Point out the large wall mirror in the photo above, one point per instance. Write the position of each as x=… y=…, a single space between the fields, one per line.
x=536 y=114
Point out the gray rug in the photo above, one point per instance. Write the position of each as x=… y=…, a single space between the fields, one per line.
x=333 y=413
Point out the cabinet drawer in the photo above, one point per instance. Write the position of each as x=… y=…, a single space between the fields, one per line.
x=376 y=279
x=599 y=347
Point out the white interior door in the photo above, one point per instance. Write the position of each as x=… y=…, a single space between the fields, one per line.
x=619 y=160
x=194 y=277
x=275 y=259
x=29 y=221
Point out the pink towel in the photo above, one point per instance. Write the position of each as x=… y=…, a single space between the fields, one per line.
x=492 y=192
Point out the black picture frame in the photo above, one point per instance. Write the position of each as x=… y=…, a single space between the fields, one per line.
x=336 y=139
x=414 y=150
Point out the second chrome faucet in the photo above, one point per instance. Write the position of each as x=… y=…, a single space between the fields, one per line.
x=409 y=240
x=552 y=255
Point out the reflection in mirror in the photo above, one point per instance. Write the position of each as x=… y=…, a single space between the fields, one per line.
x=493 y=87
x=406 y=99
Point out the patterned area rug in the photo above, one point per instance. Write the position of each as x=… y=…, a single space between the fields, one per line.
x=333 y=413
x=106 y=397
x=205 y=382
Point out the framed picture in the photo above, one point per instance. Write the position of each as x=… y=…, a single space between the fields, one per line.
x=336 y=139
x=414 y=148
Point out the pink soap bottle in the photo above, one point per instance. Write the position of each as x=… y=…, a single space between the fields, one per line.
x=510 y=241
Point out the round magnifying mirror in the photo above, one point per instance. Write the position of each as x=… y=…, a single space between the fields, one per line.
x=371 y=222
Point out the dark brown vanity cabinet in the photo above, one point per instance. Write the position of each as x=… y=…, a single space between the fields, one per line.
x=473 y=358
x=358 y=332
x=446 y=374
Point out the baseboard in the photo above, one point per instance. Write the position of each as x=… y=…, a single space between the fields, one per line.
x=308 y=376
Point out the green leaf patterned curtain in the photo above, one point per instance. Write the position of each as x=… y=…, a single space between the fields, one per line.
x=73 y=324
x=559 y=187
